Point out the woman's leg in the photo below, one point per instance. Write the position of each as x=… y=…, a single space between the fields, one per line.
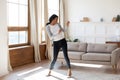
x=55 y=54
x=64 y=48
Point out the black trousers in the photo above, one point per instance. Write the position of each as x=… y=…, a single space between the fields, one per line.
x=56 y=47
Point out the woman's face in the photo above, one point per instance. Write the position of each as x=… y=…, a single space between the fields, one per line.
x=55 y=20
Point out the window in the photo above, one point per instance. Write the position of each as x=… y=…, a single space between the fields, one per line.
x=52 y=9
x=17 y=16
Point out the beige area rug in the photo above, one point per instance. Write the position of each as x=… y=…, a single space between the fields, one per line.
x=79 y=72
x=61 y=75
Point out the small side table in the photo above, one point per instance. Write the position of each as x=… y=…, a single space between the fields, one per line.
x=113 y=42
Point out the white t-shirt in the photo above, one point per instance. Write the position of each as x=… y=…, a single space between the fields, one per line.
x=53 y=32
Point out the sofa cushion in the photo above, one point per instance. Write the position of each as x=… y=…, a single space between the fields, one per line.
x=77 y=46
x=96 y=57
x=102 y=48
x=83 y=47
x=72 y=55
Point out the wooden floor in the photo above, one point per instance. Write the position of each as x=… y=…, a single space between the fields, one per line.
x=20 y=73
x=26 y=68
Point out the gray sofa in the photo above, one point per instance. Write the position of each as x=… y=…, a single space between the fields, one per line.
x=107 y=54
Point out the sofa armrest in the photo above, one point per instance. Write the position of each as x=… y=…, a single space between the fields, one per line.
x=115 y=55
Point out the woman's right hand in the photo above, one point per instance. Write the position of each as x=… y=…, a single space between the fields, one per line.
x=59 y=31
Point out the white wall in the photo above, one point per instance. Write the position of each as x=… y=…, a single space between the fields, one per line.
x=3 y=39
x=94 y=9
x=95 y=32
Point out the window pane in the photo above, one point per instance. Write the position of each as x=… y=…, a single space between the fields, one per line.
x=23 y=15
x=12 y=14
x=23 y=36
x=53 y=9
x=13 y=37
x=23 y=2
x=55 y=6
x=13 y=1
x=17 y=37
x=17 y=16
x=51 y=12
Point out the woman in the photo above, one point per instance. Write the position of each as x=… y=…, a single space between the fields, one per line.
x=56 y=34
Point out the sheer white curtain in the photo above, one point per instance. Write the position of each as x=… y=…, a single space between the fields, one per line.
x=49 y=48
x=63 y=16
x=35 y=19
x=62 y=13
x=38 y=19
x=4 y=67
x=47 y=40
x=3 y=39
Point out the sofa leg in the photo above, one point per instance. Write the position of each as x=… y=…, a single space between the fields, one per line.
x=114 y=68
x=62 y=63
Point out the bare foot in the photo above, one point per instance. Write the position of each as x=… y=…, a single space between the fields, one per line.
x=49 y=73
x=69 y=73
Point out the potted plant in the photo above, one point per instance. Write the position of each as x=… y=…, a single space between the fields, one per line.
x=118 y=18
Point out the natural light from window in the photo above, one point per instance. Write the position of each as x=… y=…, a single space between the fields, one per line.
x=53 y=8
x=87 y=65
x=29 y=71
x=42 y=75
